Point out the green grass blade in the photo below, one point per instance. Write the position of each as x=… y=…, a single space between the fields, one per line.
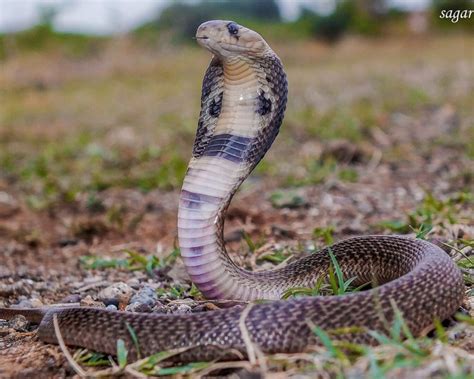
x=328 y=344
x=338 y=272
x=122 y=353
x=134 y=337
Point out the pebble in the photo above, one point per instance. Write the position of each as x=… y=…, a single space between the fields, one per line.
x=36 y=303
x=19 y=323
x=111 y=307
x=22 y=287
x=160 y=308
x=146 y=295
x=113 y=302
x=138 y=307
x=134 y=283
x=180 y=308
x=4 y=329
x=120 y=291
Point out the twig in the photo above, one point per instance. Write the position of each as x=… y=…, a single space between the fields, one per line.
x=134 y=373
x=222 y=365
x=253 y=351
x=249 y=346
x=79 y=371
x=459 y=251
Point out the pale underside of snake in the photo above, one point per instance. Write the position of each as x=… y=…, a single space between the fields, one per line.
x=243 y=100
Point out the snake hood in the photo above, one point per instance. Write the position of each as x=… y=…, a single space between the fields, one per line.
x=227 y=39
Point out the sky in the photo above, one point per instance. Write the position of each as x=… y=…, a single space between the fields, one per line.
x=118 y=16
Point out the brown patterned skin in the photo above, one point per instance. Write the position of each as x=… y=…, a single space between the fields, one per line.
x=415 y=275
x=211 y=97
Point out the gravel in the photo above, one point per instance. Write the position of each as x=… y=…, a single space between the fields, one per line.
x=116 y=293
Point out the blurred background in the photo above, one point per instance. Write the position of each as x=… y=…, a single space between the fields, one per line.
x=101 y=98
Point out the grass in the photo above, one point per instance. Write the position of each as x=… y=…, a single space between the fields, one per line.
x=275 y=256
x=332 y=285
x=62 y=171
x=133 y=262
x=433 y=211
x=325 y=233
x=81 y=133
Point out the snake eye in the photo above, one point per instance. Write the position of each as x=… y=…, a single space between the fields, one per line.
x=233 y=28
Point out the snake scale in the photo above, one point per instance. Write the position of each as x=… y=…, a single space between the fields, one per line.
x=243 y=101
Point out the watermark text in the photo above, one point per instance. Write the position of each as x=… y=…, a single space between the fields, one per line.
x=456 y=15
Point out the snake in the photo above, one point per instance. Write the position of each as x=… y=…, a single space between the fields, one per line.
x=243 y=101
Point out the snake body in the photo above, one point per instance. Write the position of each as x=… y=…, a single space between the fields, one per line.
x=243 y=101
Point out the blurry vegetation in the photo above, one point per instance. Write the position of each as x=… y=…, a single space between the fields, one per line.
x=43 y=37
x=433 y=212
x=329 y=27
x=180 y=19
x=362 y=17
x=59 y=172
x=134 y=261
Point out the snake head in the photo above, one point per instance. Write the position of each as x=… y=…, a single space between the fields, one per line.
x=227 y=39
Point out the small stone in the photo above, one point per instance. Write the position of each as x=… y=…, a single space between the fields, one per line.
x=22 y=287
x=146 y=295
x=119 y=291
x=113 y=302
x=4 y=328
x=111 y=307
x=134 y=283
x=19 y=323
x=138 y=307
x=159 y=308
x=36 y=303
x=181 y=309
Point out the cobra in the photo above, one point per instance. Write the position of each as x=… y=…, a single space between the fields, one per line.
x=243 y=100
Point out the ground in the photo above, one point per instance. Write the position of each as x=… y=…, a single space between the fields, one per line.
x=377 y=139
